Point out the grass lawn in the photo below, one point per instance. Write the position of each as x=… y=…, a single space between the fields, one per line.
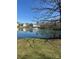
x=38 y=49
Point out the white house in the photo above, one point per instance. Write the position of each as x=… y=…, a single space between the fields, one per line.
x=35 y=25
x=25 y=25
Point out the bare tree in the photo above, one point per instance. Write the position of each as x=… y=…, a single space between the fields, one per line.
x=48 y=9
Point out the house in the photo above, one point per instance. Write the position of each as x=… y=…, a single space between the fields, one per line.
x=26 y=25
x=35 y=25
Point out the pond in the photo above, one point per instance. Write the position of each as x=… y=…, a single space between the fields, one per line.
x=37 y=33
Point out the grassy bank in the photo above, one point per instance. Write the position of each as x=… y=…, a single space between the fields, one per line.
x=38 y=49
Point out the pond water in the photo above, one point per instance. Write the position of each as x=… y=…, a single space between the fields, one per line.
x=37 y=33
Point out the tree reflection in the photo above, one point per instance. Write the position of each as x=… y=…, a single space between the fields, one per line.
x=50 y=33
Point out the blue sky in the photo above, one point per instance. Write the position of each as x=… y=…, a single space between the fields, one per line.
x=24 y=10
x=25 y=13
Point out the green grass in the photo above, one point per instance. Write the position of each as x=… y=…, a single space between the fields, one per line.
x=38 y=49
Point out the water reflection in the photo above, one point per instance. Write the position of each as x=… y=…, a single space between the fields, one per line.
x=37 y=33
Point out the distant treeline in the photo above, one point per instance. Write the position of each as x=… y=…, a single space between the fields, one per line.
x=55 y=24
